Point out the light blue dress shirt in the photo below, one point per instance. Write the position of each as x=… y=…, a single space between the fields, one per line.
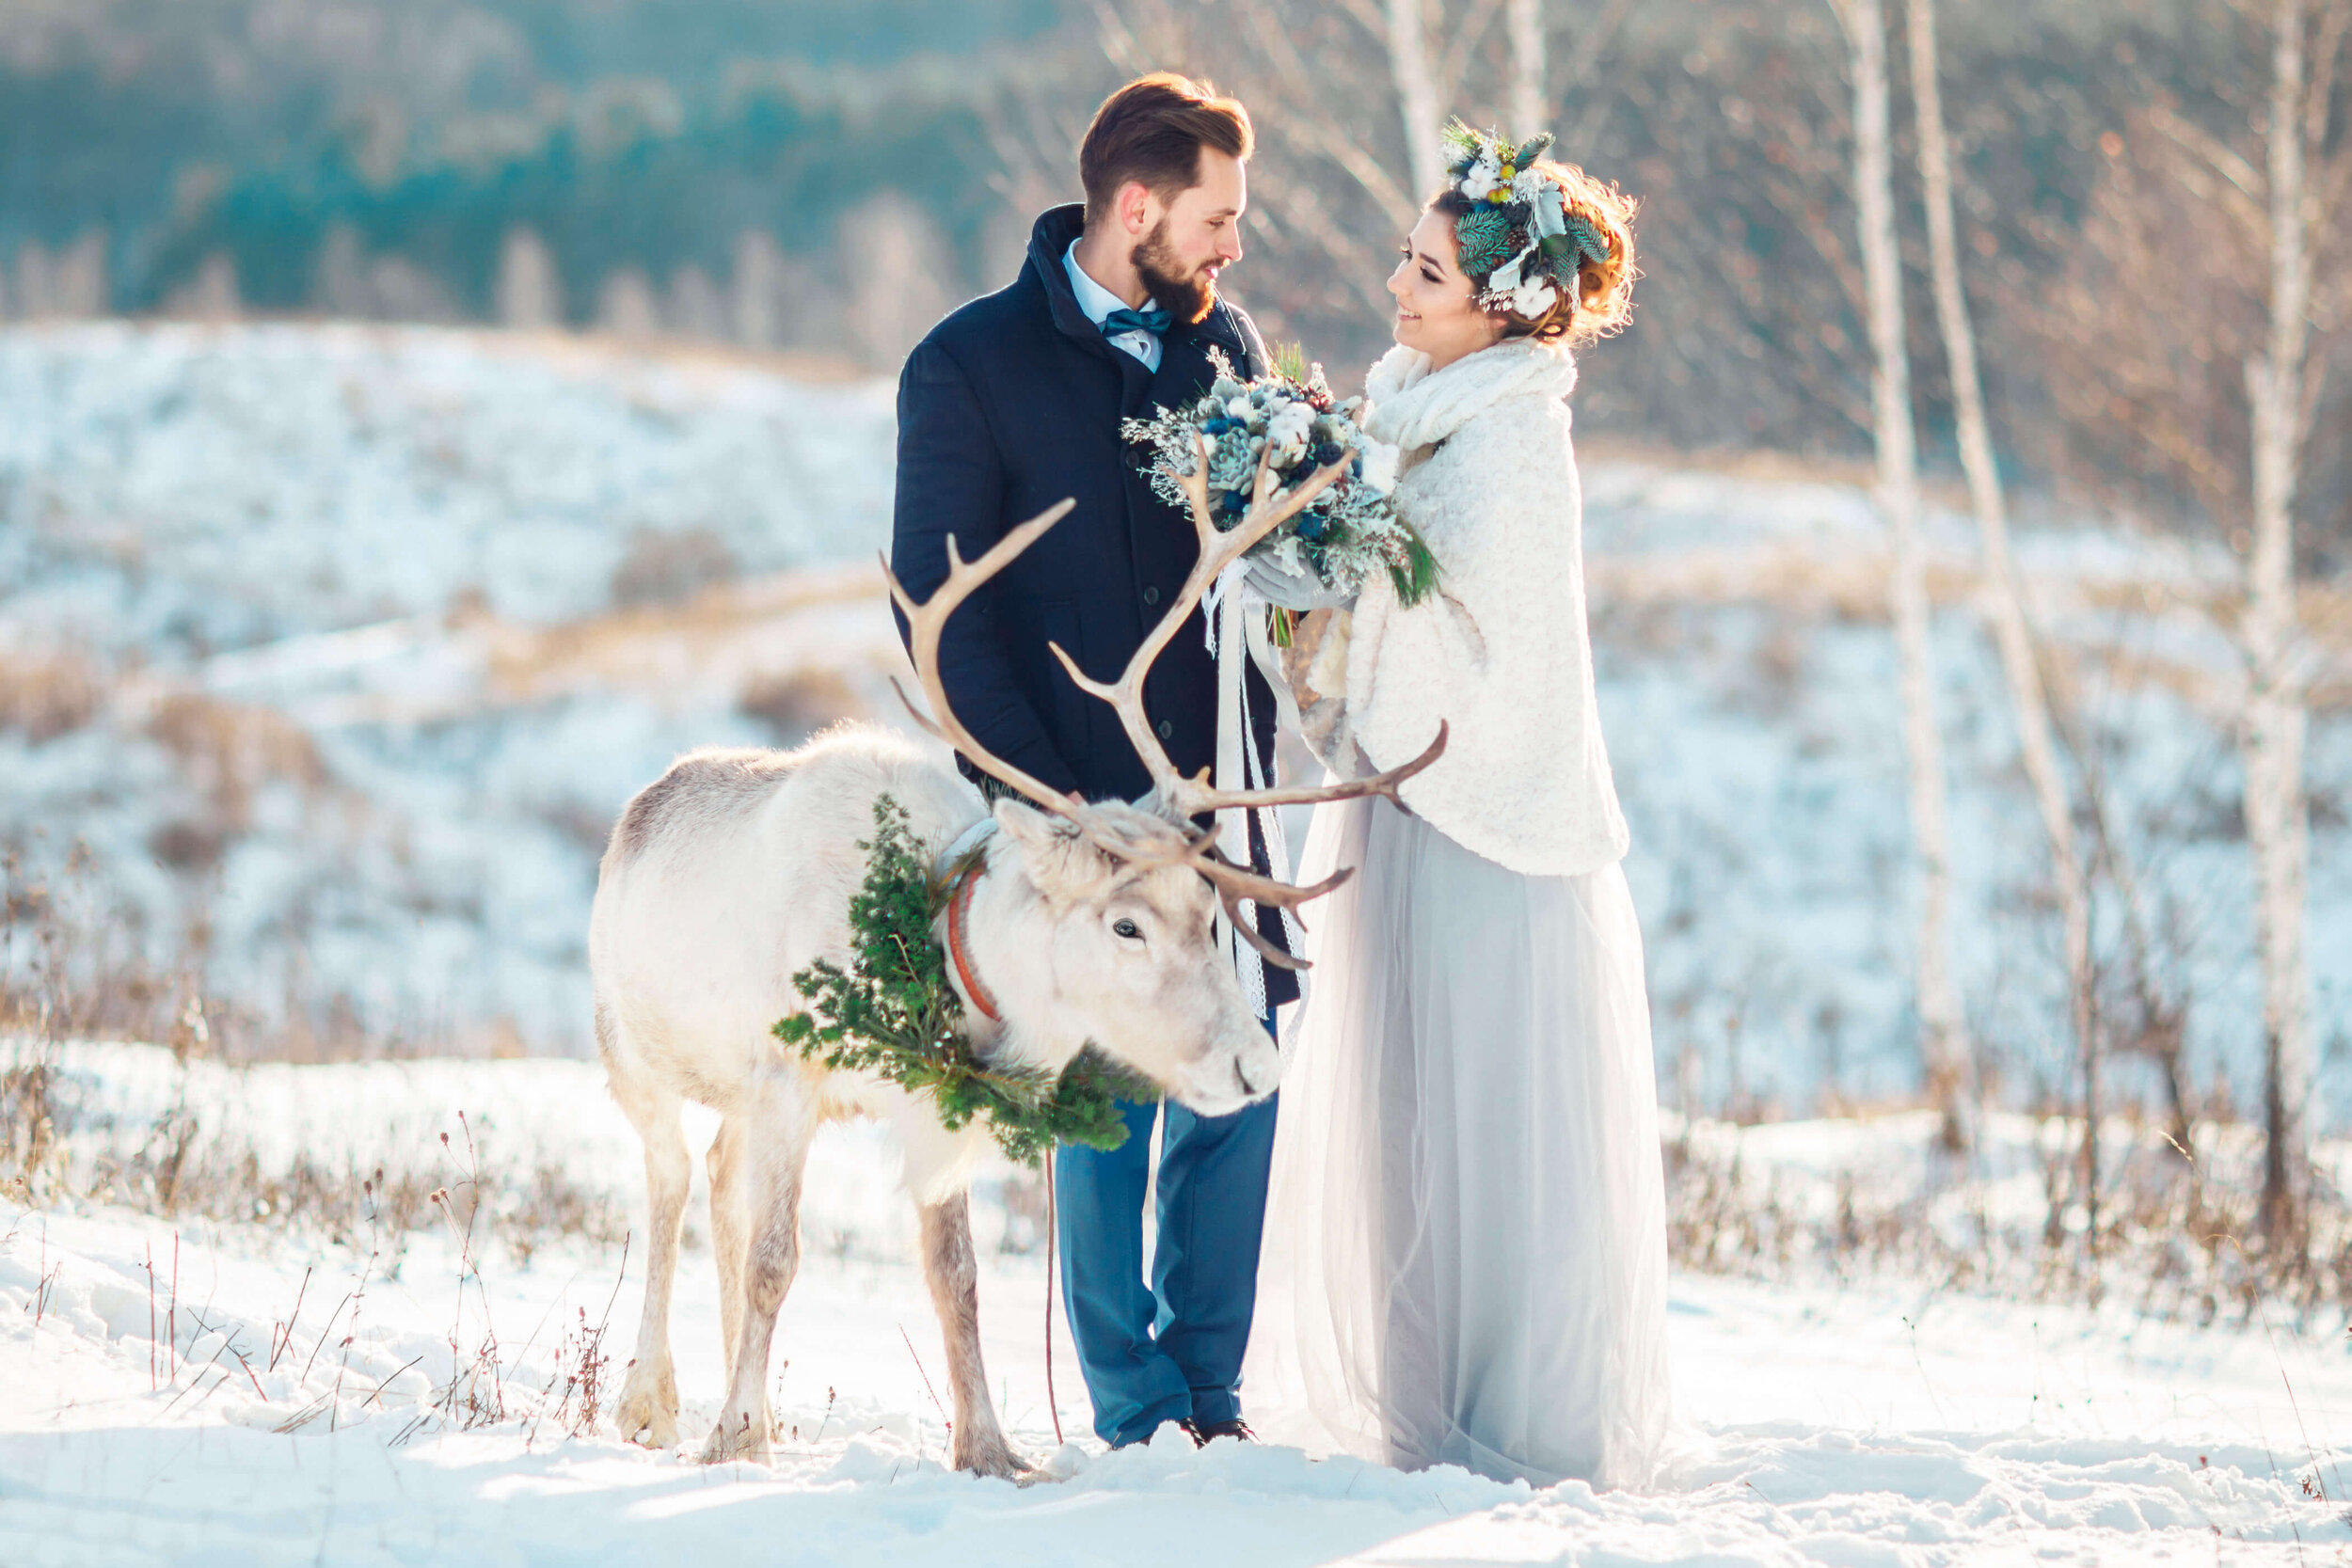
x=1098 y=302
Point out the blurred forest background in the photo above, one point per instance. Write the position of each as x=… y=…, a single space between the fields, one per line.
x=332 y=650
x=829 y=177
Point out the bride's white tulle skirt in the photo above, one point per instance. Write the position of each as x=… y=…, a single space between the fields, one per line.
x=1465 y=1256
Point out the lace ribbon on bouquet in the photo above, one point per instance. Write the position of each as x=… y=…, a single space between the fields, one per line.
x=1228 y=607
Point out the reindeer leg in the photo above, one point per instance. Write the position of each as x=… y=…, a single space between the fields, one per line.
x=953 y=1273
x=770 y=1157
x=648 y=1401
x=726 y=1233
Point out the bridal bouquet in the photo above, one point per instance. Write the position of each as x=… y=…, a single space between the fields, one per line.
x=1349 y=530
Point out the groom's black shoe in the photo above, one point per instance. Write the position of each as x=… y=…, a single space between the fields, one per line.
x=1204 y=1433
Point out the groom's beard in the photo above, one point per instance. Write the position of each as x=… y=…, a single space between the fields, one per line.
x=1185 y=297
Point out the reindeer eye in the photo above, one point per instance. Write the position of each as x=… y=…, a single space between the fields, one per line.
x=1128 y=929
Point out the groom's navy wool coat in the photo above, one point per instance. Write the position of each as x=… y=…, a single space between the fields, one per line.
x=1009 y=405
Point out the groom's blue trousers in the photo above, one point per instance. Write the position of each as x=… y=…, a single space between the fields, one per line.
x=1171 y=1348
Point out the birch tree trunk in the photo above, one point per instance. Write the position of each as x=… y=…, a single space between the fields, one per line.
x=1416 y=79
x=1524 y=38
x=1943 y=1044
x=2276 y=826
x=2027 y=696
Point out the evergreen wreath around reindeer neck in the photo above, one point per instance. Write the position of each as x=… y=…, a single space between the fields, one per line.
x=893 y=1012
x=1519 y=235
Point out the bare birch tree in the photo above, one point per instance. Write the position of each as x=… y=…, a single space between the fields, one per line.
x=2190 y=370
x=1943 y=1037
x=1530 y=103
x=1417 y=100
x=529 y=295
x=2276 y=820
x=2003 y=603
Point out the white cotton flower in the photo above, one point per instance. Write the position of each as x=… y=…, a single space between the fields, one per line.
x=1239 y=407
x=1288 y=432
x=1483 y=176
x=1379 y=466
x=1529 y=185
x=1534 y=297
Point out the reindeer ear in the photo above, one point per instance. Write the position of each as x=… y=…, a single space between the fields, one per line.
x=1154 y=802
x=1062 y=863
x=1040 y=833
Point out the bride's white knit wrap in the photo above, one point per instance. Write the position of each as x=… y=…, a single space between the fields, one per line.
x=1501 y=653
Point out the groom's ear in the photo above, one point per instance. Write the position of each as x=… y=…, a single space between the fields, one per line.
x=1136 y=209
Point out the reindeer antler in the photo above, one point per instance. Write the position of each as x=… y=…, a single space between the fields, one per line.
x=1220 y=548
x=1185 y=797
x=928 y=620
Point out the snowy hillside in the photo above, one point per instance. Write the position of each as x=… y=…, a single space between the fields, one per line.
x=335 y=1388
x=340 y=647
x=181 y=490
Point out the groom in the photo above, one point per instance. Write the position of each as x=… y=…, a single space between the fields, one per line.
x=1011 y=404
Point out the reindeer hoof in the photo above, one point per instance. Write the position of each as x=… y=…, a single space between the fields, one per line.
x=736 y=1438
x=650 y=1429
x=996 y=1459
x=648 y=1406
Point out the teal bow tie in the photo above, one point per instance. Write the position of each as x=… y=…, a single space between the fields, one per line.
x=1154 y=320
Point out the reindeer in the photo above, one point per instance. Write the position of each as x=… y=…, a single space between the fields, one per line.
x=1073 y=925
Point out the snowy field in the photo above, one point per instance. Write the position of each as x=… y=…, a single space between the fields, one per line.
x=326 y=1392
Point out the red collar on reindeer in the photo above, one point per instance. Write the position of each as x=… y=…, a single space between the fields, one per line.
x=963 y=862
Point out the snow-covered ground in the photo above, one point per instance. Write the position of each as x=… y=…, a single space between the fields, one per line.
x=380 y=627
x=192 y=1392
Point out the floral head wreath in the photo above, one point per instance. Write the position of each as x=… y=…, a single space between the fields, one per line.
x=1519 y=236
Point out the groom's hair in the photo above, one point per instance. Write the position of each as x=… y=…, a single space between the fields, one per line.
x=1152 y=131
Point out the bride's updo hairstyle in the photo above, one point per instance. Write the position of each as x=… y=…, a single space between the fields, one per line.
x=1581 y=253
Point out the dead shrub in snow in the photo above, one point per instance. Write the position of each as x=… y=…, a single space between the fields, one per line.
x=44 y=696
x=2177 y=1237
x=36 y=1001
x=176 y=1167
x=663 y=568
x=797 y=704
x=522 y=1212
x=230 y=754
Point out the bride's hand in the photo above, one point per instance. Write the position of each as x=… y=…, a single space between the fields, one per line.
x=1291 y=590
x=1315 y=666
x=1316 y=663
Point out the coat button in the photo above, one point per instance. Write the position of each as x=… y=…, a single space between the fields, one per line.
x=1151 y=596
x=1168 y=729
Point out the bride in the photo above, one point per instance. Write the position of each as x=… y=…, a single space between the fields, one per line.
x=1465 y=1259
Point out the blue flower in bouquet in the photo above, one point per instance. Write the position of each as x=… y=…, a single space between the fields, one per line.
x=1312 y=526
